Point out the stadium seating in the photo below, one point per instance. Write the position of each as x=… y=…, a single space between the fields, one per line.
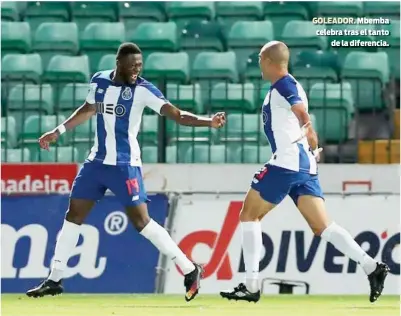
x=25 y=68
x=39 y=12
x=8 y=132
x=379 y=151
x=247 y=37
x=99 y=39
x=15 y=155
x=233 y=97
x=84 y=13
x=339 y=8
x=15 y=37
x=229 y=12
x=55 y=154
x=133 y=14
x=186 y=97
x=182 y=12
x=333 y=107
x=151 y=36
x=56 y=38
x=253 y=153
x=200 y=36
x=204 y=57
x=280 y=13
x=72 y=96
x=210 y=154
x=171 y=66
x=384 y=9
x=368 y=73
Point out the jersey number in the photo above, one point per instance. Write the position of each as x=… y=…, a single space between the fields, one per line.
x=261 y=173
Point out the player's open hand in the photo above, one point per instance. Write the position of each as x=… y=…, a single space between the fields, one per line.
x=47 y=138
x=218 y=120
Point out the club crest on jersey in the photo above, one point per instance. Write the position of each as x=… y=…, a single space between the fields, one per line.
x=126 y=94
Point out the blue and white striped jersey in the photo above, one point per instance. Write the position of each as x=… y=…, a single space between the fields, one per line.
x=118 y=118
x=281 y=126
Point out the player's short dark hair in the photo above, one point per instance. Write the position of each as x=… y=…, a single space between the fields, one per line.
x=127 y=49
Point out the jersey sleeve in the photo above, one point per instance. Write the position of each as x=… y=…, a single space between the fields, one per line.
x=154 y=98
x=289 y=91
x=90 y=98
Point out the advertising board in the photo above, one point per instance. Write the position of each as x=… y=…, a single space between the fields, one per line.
x=207 y=229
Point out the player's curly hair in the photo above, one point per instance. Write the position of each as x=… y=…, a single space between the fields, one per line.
x=127 y=49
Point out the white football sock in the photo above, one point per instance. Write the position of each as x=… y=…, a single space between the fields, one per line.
x=252 y=247
x=343 y=241
x=161 y=239
x=67 y=240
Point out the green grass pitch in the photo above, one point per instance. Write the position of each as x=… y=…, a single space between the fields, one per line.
x=206 y=305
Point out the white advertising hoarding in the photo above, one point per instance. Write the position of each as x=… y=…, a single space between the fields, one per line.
x=207 y=229
x=237 y=177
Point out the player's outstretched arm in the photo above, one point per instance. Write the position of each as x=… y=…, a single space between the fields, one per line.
x=82 y=114
x=306 y=128
x=189 y=119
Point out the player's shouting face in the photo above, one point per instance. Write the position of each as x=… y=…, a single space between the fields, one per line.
x=129 y=67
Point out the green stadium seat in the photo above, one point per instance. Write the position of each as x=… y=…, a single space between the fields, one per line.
x=173 y=154
x=72 y=96
x=211 y=68
x=16 y=155
x=181 y=12
x=31 y=97
x=84 y=13
x=245 y=37
x=280 y=13
x=255 y=153
x=182 y=133
x=200 y=36
x=301 y=35
x=393 y=51
x=320 y=65
x=39 y=12
x=10 y=11
x=36 y=125
x=56 y=154
x=15 y=37
x=151 y=36
x=56 y=38
x=21 y=68
x=134 y=13
x=149 y=129
x=186 y=97
x=368 y=73
x=339 y=8
x=233 y=97
x=342 y=52
x=319 y=58
x=242 y=128
x=172 y=66
x=229 y=12
x=99 y=39
x=382 y=9
x=262 y=93
x=8 y=132
x=205 y=153
x=252 y=70
x=333 y=106
x=84 y=132
x=149 y=154
x=312 y=75
x=67 y=69
x=107 y=62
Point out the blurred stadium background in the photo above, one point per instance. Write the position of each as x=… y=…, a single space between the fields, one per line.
x=204 y=57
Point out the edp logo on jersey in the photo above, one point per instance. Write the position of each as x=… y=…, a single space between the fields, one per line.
x=113 y=109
